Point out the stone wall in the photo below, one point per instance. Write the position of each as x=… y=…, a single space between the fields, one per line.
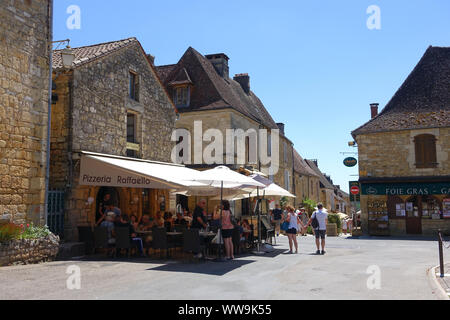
x=91 y=115
x=29 y=251
x=24 y=81
x=391 y=154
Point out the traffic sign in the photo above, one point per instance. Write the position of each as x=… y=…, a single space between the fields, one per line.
x=354 y=190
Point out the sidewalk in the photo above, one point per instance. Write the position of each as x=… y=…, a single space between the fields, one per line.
x=444 y=282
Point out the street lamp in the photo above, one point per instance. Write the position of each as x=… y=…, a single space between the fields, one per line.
x=68 y=57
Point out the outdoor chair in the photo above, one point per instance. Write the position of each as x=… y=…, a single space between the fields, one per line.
x=101 y=238
x=86 y=235
x=236 y=238
x=123 y=240
x=192 y=242
x=267 y=231
x=160 y=240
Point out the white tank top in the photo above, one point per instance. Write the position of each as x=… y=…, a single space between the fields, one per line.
x=293 y=222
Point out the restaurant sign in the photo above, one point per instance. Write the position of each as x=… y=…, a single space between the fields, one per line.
x=406 y=189
x=350 y=162
x=96 y=173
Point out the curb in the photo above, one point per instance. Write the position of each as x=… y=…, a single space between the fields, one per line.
x=435 y=285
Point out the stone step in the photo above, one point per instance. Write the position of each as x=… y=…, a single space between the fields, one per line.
x=70 y=250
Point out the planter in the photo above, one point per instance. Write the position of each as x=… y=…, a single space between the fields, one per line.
x=332 y=230
x=28 y=251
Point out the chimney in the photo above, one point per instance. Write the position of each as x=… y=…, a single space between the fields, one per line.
x=244 y=81
x=281 y=127
x=151 y=58
x=374 y=109
x=220 y=63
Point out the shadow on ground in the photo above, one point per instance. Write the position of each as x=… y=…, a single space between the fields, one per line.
x=208 y=268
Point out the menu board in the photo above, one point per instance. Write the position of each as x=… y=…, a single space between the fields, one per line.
x=400 y=210
x=446 y=208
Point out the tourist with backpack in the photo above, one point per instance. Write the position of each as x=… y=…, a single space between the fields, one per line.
x=318 y=222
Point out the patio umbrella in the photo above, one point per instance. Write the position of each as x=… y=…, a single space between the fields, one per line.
x=224 y=177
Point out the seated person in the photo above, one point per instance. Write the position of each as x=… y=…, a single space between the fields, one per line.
x=168 y=221
x=124 y=222
x=180 y=220
x=146 y=223
x=188 y=216
x=247 y=229
x=159 y=220
x=134 y=222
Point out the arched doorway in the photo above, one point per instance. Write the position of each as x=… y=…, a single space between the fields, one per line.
x=106 y=196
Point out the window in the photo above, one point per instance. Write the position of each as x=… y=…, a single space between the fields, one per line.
x=425 y=149
x=287 y=179
x=285 y=152
x=269 y=145
x=131 y=128
x=181 y=96
x=134 y=86
x=132 y=145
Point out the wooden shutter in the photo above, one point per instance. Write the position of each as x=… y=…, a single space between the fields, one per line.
x=425 y=149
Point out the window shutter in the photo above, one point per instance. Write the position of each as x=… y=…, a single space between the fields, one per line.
x=425 y=150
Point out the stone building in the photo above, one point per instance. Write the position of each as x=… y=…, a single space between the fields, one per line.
x=109 y=105
x=306 y=181
x=202 y=90
x=324 y=187
x=25 y=46
x=404 y=159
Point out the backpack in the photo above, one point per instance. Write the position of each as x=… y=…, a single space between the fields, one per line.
x=315 y=221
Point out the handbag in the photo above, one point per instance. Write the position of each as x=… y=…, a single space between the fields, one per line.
x=285 y=226
x=218 y=238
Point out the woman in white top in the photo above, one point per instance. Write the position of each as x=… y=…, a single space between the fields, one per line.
x=294 y=226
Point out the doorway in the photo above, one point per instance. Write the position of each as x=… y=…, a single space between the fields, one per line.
x=413 y=215
x=106 y=196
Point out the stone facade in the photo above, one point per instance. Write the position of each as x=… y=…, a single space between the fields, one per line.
x=230 y=119
x=24 y=93
x=29 y=251
x=392 y=154
x=90 y=114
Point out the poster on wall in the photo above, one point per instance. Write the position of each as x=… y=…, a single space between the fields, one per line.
x=446 y=208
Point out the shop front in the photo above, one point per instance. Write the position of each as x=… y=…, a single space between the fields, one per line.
x=410 y=208
x=132 y=186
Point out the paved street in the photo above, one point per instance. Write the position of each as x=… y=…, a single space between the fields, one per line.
x=341 y=274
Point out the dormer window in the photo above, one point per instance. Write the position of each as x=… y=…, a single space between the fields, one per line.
x=181 y=96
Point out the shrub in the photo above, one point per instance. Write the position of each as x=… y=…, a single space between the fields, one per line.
x=34 y=232
x=9 y=232
x=334 y=218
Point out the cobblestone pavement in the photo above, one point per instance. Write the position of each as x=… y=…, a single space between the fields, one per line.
x=365 y=268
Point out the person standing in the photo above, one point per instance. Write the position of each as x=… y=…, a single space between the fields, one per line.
x=199 y=219
x=294 y=225
x=227 y=230
x=277 y=215
x=321 y=230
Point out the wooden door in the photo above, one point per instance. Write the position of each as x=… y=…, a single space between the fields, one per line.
x=414 y=216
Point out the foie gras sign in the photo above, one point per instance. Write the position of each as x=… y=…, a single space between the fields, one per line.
x=97 y=173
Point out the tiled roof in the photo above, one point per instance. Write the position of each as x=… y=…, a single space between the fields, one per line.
x=89 y=53
x=214 y=92
x=301 y=167
x=423 y=100
x=323 y=180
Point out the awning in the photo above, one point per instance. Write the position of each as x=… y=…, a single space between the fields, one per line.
x=113 y=171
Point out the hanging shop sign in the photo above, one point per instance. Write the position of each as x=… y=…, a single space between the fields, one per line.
x=406 y=189
x=350 y=162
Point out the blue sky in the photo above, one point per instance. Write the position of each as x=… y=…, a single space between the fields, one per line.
x=314 y=64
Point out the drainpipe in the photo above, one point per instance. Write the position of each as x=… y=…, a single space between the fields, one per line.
x=49 y=117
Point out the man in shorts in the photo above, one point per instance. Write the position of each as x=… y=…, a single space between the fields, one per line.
x=320 y=232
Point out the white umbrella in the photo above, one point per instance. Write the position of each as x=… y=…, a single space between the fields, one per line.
x=224 y=177
x=271 y=190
